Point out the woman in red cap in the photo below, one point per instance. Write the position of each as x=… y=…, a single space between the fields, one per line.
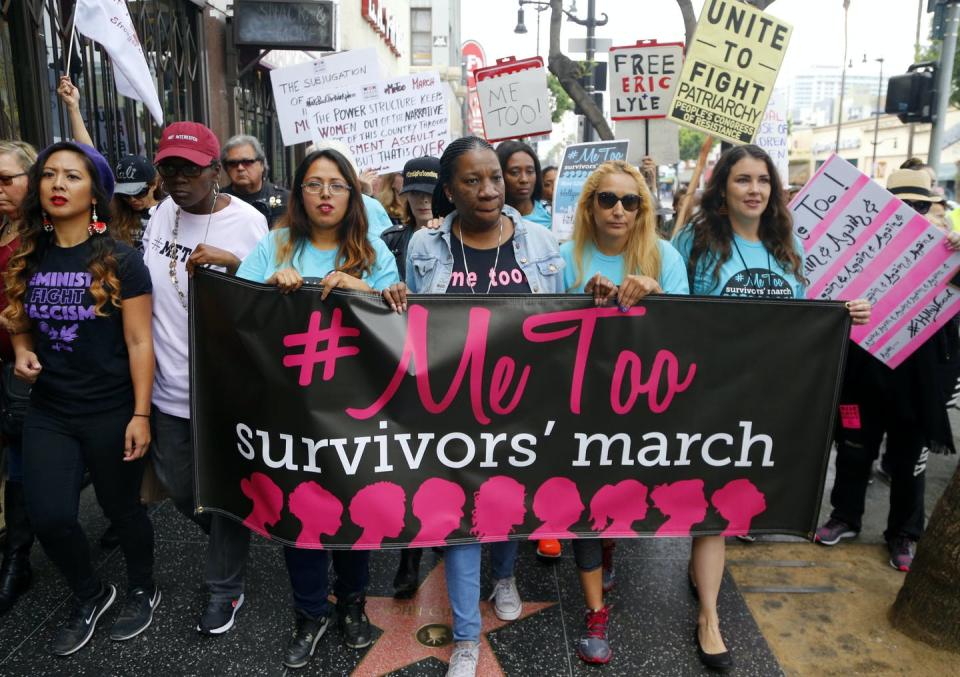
x=198 y=226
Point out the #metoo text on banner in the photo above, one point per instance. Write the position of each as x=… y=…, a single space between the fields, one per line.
x=730 y=70
x=862 y=242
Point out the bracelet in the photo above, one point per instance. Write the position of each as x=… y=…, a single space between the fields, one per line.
x=143 y=415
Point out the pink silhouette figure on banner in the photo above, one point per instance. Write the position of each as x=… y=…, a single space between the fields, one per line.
x=621 y=504
x=267 y=500
x=318 y=510
x=438 y=504
x=683 y=503
x=498 y=507
x=738 y=501
x=557 y=503
x=379 y=509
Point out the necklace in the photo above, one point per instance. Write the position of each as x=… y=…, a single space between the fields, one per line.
x=175 y=234
x=496 y=259
x=746 y=267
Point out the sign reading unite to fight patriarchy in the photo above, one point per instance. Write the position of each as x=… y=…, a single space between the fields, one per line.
x=862 y=242
x=340 y=424
x=730 y=70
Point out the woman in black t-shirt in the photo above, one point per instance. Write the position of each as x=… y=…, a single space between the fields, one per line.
x=80 y=307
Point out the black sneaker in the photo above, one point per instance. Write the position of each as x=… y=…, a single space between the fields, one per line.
x=353 y=622
x=302 y=644
x=136 y=614
x=218 y=618
x=78 y=629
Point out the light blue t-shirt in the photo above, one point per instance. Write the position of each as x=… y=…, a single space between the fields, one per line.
x=673 y=275
x=377 y=218
x=261 y=263
x=750 y=272
x=540 y=215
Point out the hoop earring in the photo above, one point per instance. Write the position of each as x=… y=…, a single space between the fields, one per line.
x=96 y=226
x=47 y=226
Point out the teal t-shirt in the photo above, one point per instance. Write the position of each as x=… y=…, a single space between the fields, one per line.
x=311 y=262
x=673 y=274
x=540 y=215
x=750 y=272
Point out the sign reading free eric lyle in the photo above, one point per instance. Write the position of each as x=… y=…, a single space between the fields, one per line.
x=730 y=70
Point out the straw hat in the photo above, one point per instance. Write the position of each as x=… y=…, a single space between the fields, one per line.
x=911 y=184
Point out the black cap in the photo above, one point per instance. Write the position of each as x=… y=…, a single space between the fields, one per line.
x=420 y=174
x=134 y=173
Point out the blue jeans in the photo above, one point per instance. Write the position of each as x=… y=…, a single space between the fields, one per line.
x=309 y=577
x=462 y=565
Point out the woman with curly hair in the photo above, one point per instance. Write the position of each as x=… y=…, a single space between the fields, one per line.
x=80 y=307
x=740 y=243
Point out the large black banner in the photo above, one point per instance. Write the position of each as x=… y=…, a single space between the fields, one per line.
x=341 y=424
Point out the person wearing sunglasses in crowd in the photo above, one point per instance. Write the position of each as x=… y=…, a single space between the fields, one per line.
x=135 y=198
x=617 y=256
x=197 y=226
x=246 y=165
x=324 y=238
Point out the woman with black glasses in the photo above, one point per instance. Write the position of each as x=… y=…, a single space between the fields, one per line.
x=197 y=226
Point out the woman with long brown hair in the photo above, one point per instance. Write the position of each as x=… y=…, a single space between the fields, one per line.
x=80 y=307
x=136 y=195
x=323 y=237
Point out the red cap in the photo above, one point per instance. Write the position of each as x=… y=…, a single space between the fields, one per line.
x=190 y=141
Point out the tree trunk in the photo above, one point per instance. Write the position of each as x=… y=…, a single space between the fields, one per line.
x=568 y=73
x=928 y=605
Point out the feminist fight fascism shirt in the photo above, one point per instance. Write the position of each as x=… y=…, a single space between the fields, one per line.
x=84 y=359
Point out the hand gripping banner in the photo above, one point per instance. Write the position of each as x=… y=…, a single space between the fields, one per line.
x=341 y=424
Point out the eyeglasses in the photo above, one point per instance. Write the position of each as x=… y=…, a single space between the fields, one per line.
x=246 y=162
x=7 y=179
x=191 y=171
x=607 y=200
x=335 y=188
x=918 y=206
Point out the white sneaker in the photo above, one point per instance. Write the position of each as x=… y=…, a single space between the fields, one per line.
x=463 y=662
x=506 y=599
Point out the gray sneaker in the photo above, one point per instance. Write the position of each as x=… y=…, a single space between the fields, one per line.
x=463 y=662
x=506 y=599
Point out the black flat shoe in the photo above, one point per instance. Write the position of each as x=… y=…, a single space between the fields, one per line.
x=719 y=662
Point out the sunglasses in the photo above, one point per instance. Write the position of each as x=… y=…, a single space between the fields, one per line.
x=246 y=162
x=918 y=206
x=7 y=180
x=607 y=200
x=191 y=171
x=139 y=196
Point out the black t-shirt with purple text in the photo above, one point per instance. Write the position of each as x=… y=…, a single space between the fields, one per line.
x=85 y=367
x=479 y=272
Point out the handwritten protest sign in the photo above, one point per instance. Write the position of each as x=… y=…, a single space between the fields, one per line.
x=643 y=78
x=730 y=70
x=514 y=99
x=862 y=242
x=579 y=161
x=299 y=90
x=772 y=136
x=387 y=123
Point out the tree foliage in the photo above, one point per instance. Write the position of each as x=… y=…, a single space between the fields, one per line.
x=691 y=141
x=561 y=100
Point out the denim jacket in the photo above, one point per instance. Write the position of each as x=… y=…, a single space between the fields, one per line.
x=430 y=259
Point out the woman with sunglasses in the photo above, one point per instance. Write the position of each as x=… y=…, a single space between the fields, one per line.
x=197 y=226
x=617 y=256
x=135 y=198
x=740 y=243
x=324 y=238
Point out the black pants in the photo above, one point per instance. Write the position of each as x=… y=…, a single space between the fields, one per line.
x=906 y=459
x=56 y=449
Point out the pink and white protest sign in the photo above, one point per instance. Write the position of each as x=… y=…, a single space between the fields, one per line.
x=862 y=242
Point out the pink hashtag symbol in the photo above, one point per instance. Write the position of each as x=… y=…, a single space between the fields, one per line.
x=311 y=340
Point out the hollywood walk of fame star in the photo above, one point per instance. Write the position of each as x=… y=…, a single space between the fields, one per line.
x=400 y=618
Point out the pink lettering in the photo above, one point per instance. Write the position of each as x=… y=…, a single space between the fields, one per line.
x=629 y=362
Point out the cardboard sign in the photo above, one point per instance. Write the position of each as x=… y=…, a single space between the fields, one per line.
x=300 y=90
x=862 y=242
x=660 y=139
x=579 y=161
x=387 y=123
x=772 y=136
x=730 y=70
x=643 y=78
x=514 y=99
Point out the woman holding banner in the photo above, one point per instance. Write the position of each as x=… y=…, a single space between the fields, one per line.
x=741 y=244
x=324 y=238
x=523 y=181
x=482 y=247
x=615 y=255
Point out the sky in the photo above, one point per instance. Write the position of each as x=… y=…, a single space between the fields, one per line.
x=877 y=28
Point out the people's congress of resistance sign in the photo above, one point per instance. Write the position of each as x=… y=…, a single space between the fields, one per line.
x=730 y=70
x=342 y=424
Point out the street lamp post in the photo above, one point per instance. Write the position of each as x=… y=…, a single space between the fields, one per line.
x=540 y=7
x=876 y=119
